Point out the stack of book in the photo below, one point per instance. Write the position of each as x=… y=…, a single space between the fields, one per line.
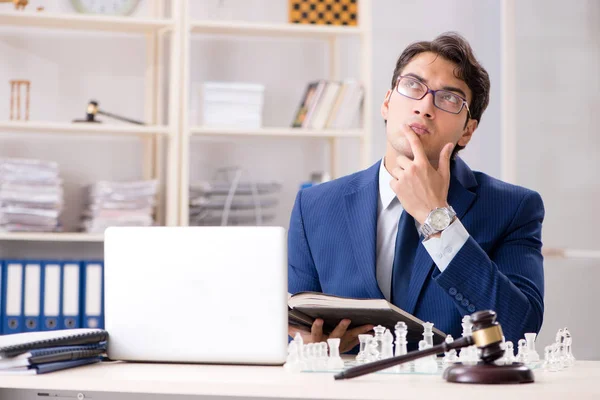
x=330 y=105
x=231 y=104
x=36 y=353
x=119 y=204
x=31 y=195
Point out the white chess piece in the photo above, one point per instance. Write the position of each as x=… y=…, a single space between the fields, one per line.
x=361 y=357
x=532 y=356
x=509 y=353
x=387 y=346
x=450 y=357
x=569 y=359
x=334 y=361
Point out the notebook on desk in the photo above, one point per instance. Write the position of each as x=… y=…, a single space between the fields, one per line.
x=196 y=294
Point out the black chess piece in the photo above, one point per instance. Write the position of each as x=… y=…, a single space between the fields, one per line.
x=93 y=110
x=487 y=336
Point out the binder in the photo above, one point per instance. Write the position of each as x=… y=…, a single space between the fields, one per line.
x=13 y=291
x=70 y=303
x=51 y=281
x=2 y=300
x=92 y=287
x=32 y=296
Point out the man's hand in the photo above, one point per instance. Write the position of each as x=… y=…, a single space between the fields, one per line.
x=348 y=338
x=417 y=184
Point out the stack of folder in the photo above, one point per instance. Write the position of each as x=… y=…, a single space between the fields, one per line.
x=36 y=353
x=31 y=195
x=119 y=204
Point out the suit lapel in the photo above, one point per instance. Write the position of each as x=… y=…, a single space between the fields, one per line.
x=460 y=198
x=361 y=217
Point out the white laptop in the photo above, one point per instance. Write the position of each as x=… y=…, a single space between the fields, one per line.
x=196 y=294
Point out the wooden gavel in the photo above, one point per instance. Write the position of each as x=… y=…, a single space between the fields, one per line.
x=487 y=336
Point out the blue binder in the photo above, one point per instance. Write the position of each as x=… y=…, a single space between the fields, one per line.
x=13 y=292
x=32 y=296
x=70 y=295
x=51 y=289
x=1 y=296
x=92 y=294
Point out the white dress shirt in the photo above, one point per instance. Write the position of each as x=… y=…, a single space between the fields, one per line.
x=442 y=250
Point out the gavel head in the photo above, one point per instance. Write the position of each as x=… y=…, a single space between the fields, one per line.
x=487 y=335
x=92 y=110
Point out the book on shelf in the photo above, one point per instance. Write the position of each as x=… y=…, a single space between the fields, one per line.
x=305 y=307
x=330 y=105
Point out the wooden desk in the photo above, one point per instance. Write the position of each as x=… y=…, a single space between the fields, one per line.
x=580 y=382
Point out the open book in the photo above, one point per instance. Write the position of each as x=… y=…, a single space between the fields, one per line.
x=305 y=307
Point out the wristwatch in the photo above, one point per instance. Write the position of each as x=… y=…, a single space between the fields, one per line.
x=437 y=220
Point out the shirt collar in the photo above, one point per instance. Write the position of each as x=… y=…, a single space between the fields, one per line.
x=386 y=194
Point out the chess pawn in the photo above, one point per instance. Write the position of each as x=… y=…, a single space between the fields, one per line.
x=322 y=356
x=361 y=357
x=419 y=367
x=450 y=357
x=546 y=366
x=300 y=347
x=569 y=358
x=521 y=351
x=532 y=357
x=509 y=353
x=557 y=357
x=334 y=361
x=372 y=351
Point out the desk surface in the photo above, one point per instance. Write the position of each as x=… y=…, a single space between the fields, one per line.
x=579 y=382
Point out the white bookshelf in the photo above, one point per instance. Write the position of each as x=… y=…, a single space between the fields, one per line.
x=282 y=31
x=282 y=132
x=44 y=20
x=160 y=138
x=52 y=237
x=279 y=30
x=39 y=127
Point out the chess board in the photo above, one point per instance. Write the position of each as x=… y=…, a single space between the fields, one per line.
x=324 y=12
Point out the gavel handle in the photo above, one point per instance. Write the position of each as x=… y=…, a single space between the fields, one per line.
x=390 y=362
x=120 y=118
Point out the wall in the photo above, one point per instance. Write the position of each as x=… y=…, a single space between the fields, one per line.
x=558 y=81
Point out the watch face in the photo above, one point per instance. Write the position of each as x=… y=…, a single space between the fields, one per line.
x=439 y=219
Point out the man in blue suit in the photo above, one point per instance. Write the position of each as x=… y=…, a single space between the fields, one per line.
x=420 y=228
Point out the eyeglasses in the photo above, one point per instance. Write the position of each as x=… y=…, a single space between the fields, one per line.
x=442 y=99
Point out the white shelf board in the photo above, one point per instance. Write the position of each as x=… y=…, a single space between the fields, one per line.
x=42 y=19
x=81 y=128
x=265 y=29
x=275 y=132
x=52 y=236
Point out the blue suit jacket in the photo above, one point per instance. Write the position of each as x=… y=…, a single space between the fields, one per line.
x=332 y=249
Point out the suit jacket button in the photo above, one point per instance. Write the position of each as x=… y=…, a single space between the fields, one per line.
x=458 y=296
x=464 y=302
x=471 y=308
x=452 y=291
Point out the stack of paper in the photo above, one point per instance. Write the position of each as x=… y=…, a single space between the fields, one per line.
x=219 y=203
x=35 y=353
x=31 y=195
x=120 y=204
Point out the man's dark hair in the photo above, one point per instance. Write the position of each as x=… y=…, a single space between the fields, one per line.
x=455 y=48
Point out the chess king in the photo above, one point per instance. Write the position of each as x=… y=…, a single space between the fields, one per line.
x=419 y=227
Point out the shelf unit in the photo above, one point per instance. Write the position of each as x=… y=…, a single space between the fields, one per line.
x=45 y=20
x=159 y=138
x=330 y=34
